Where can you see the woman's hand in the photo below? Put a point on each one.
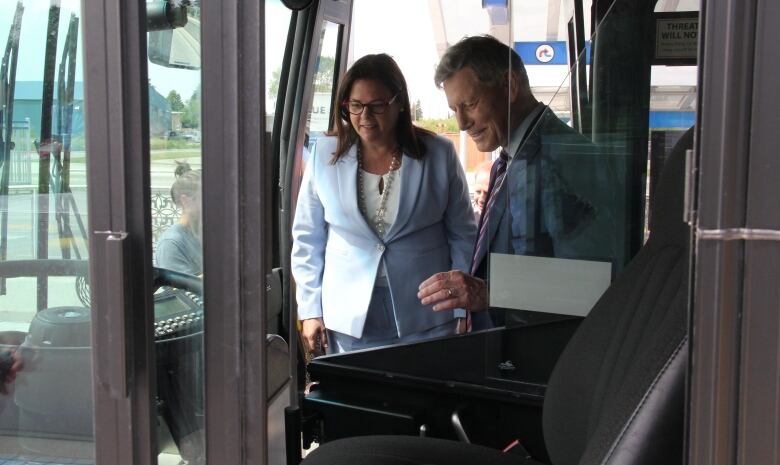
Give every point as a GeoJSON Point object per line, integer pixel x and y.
{"type": "Point", "coordinates": [314, 335]}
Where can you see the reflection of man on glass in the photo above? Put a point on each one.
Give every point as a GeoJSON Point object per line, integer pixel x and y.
{"type": "Point", "coordinates": [548, 192]}
{"type": "Point", "coordinates": [481, 185]}
{"type": "Point", "coordinates": [179, 248]}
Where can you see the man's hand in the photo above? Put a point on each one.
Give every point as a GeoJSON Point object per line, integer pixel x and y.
{"type": "Point", "coordinates": [453, 289]}
{"type": "Point", "coordinates": [314, 333]}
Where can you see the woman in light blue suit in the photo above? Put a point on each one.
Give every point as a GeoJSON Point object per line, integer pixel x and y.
{"type": "Point", "coordinates": [383, 205]}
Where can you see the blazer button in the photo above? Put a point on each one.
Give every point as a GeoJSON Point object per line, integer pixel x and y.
{"type": "Point", "coordinates": [380, 247]}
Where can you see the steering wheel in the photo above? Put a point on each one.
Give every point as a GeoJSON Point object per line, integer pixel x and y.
{"type": "Point", "coordinates": [80, 269]}
{"type": "Point", "coordinates": [183, 281]}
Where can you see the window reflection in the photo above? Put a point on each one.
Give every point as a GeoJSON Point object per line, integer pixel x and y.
{"type": "Point", "coordinates": [276, 28]}
{"type": "Point", "coordinates": [45, 348]}
{"type": "Point", "coordinates": [574, 197]}
{"type": "Point", "coordinates": [318, 120]}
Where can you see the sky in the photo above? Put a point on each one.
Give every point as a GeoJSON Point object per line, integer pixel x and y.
{"type": "Point", "coordinates": [32, 41]}
{"type": "Point", "coordinates": [390, 27]}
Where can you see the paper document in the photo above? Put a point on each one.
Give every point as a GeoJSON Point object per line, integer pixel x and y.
{"type": "Point", "coordinates": [550, 285]}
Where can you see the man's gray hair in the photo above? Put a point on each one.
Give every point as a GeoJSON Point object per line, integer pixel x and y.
{"type": "Point", "coordinates": [488, 57]}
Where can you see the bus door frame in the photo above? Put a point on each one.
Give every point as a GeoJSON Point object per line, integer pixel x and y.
{"type": "Point", "coordinates": [733, 381]}
{"type": "Point", "coordinates": [289, 137]}
{"type": "Point", "coordinates": [236, 212]}
{"type": "Point", "coordinates": [237, 206]}
{"type": "Point", "coordinates": [117, 138]}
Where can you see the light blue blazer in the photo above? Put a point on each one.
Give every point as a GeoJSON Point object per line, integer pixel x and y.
{"type": "Point", "coordinates": [336, 255]}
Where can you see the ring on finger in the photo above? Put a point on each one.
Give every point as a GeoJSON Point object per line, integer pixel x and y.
{"type": "Point", "coordinates": [449, 292]}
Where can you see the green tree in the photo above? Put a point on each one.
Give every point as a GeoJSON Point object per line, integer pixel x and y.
{"type": "Point", "coordinates": [175, 100]}
{"type": "Point", "coordinates": [439, 126]}
{"type": "Point", "coordinates": [323, 78]}
{"type": "Point", "coordinates": [273, 89]}
{"type": "Point", "coordinates": [190, 117]}
{"type": "Point", "coordinates": [417, 113]}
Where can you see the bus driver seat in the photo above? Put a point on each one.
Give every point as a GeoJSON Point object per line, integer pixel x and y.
{"type": "Point", "coordinates": [616, 395]}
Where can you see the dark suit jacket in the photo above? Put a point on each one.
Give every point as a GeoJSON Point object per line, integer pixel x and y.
{"type": "Point", "coordinates": [557, 200]}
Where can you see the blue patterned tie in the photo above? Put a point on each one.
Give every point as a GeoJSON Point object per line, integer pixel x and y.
{"type": "Point", "coordinates": [499, 174]}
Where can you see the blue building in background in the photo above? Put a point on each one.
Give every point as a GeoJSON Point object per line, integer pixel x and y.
{"type": "Point", "coordinates": [27, 107]}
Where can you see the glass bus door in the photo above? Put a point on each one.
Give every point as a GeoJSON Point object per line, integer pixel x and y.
{"type": "Point", "coordinates": [119, 199]}
{"type": "Point", "coordinates": [46, 348]}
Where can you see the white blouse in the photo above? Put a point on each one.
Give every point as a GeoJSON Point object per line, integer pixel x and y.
{"type": "Point", "coordinates": [372, 199]}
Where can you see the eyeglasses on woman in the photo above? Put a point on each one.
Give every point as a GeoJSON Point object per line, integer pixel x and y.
{"type": "Point", "coordinates": [377, 107]}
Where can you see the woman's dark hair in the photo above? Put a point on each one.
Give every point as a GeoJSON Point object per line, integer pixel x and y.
{"type": "Point", "coordinates": [383, 69]}
{"type": "Point", "coordinates": [187, 182]}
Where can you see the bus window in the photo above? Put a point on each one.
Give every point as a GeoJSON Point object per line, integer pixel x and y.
{"type": "Point", "coordinates": [318, 119]}
{"type": "Point", "coordinates": [277, 23]}
{"type": "Point", "coordinates": [177, 227]}
{"type": "Point", "coordinates": [539, 36]}
{"type": "Point", "coordinates": [46, 411]}
{"type": "Point", "coordinates": [556, 245]}
{"type": "Point", "coordinates": [579, 204]}
{"type": "Point", "coordinates": [672, 85]}
{"type": "Point", "coordinates": [565, 212]}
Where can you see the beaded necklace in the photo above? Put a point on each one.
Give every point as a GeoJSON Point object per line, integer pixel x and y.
{"type": "Point", "coordinates": [377, 221]}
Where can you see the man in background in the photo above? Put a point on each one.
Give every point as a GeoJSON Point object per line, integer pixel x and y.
{"type": "Point", "coordinates": [481, 184]}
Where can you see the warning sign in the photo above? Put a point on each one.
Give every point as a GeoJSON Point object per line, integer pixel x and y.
{"type": "Point", "coordinates": [676, 38]}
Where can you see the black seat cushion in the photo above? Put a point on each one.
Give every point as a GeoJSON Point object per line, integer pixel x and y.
{"type": "Point", "coordinates": [405, 450]}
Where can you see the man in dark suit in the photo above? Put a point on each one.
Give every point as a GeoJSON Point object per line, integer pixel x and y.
{"type": "Point", "coordinates": [551, 193]}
